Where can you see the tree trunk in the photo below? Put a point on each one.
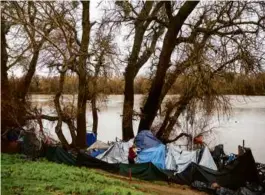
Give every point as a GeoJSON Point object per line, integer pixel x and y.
{"type": "Point", "coordinates": [94, 115]}
{"type": "Point", "coordinates": [5, 90]}
{"type": "Point", "coordinates": [58, 128]}
{"type": "Point", "coordinates": [82, 82]}
{"type": "Point", "coordinates": [135, 62]}
{"type": "Point", "coordinates": [25, 83]}
{"type": "Point", "coordinates": [152, 104]}
{"type": "Point", "coordinates": [127, 125]}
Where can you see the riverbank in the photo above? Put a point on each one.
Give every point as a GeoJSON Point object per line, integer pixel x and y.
{"type": "Point", "coordinates": [20, 176]}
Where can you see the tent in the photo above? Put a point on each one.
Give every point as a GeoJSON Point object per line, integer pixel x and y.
{"type": "Point", "coordinates": [179, 160]}
{"type": "Point", "coordinates": [156, 155]}
{"type": "Point", "coordinates": [207, 160]}
{"type": "Point", "coordinates": [117, 153]}
{"type": "Point", "coordinates": [146, 139]}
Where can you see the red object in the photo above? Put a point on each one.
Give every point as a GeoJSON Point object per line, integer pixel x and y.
{"type": "Point", "coordinates": [198, 139]}
{"type": "Point", "coordinates": [132, 153]}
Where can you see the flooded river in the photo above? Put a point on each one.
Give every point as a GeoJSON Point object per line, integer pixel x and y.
{"type": "Point", "coordinates": [246, 122]}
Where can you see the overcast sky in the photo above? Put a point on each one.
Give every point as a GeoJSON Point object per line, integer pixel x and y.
{"type": "Point", "coordinates": [96, 13]}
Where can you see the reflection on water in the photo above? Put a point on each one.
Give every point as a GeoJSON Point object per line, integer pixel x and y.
{"type": "Point", "coordinates": [247, 121]}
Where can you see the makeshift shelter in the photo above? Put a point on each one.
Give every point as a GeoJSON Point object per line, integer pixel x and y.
{"type": "Point", "coordinates": [233, 176]}
{"type": "Point", "coordinates": [146, 139]}
{"type": "Point", "coordinates": [97, 148]}
{"type": "Point", "coordinates": [179, 160]}
{"type": "Point", "coordinates": [207, 159]}
{"type": "Point", "coordinates": [156, 155]}
{"type": "Point", "coordinates": [117, 153]}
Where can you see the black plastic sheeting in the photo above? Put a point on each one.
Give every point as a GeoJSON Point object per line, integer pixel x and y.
{"type": "Point", "coordinates": [91, 162]}
{"type": "Point", "coordinates": [59, 155]}
{"type": "Point", "coordinates": [233, 176]}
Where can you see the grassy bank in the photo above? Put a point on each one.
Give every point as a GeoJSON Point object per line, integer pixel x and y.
{"type": "Point", "coordinates": [20, 176]}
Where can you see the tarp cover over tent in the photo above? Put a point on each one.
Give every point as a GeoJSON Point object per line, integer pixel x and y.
{"type": "Point", "coordinates": [156, 155]}
{"type": "Point", "coordinates": [207, 160]}
{"type": "Point", "coordinates": [117, 153]}
{"type": "Point", "coordinates": [177, 159]}
{"type": "Point", "coordinates": [146, 139]}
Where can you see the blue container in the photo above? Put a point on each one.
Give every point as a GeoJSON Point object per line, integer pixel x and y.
{"type": "Point", "coordinates": [90, 139]}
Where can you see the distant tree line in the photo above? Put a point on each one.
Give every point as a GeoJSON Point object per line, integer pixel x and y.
{"type": "Point", "coordinates": [229, 83]}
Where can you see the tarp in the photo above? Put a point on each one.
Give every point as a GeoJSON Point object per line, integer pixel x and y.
{"type": "Point", "coordinates": [146, 139]}
{"type": "Point", "coordinates": [233, 176]}
{"type": "Point", "coordinates": [179, 160]}
{"type": "Point", "coordinates": [145, 171]}
{"type": "Point", "coordinates": [96, 152]}
{"type": "Point", "coordinates": [84, 159]}
{"type": "Point", "coordinates": [156, 155]}
{"type": "Point", "coordinates": [59, 155]}
{"type": "Point", "coordinates": [99, 145]}
{"type": "Point", "coordinates": [207, 160]}
{"type": "Point", "coordinates": [117, 153]}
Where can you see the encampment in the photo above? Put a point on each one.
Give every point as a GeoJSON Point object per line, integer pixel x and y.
{"type": "Point", "coordinates": [170, 163]}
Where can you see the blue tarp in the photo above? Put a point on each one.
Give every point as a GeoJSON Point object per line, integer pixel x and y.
{"type": "Point", "coordinates": [90, 139]}
{"type": "Point", "coordinates": [96, 152]}
{"type": "Point", "coordinates": [146, 139]}
{"type": "Point", "coordinates": [156, 155]}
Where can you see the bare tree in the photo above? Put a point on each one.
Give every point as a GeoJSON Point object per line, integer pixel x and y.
{"type": "Point", "coordinates": [145, 36]}
{"type": "Point", "coordinates": [230, 41]}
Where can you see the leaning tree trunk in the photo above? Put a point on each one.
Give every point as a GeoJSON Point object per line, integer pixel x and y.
{"type": "Point", "coordinates": [58, 128]}
{"type": "Point", "coordinates": [135, 63]}
{"type": "Point", "coordinates": [153, 101]}
{"type": "Point", "coordinates": [82, 84]}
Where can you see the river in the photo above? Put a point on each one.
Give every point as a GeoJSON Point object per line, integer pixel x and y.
{"type": "Point", "coordinates": [246, 122]}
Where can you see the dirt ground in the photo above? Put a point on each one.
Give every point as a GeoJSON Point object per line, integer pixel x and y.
{"type": "Point", "coordinates": [161, 188]}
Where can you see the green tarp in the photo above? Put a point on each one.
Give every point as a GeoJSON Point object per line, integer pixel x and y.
{"type": "Point", "coordinates": [59, 155]}
{"type": "Point", "coordinates": [145, 171]}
